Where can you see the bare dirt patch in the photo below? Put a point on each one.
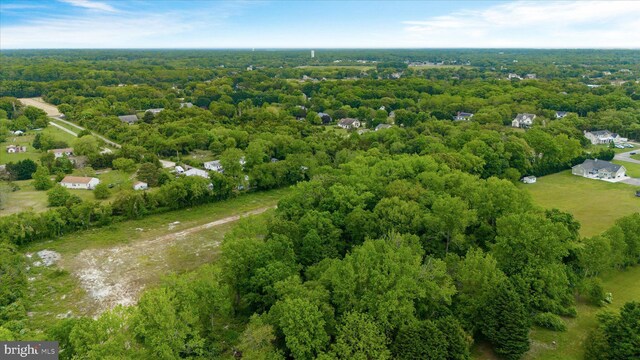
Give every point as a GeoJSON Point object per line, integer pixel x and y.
{"type": "Point", "coordinates": [117, 275]}
{"type": "Point", "coordinates": [51, 110]}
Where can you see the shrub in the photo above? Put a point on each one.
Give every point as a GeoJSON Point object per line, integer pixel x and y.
{"type": "Point", "coordinates": [101, 191]}
{"type": "Point", "coordinates": [549, 321]}
{"type": "Point", "coordinates": [594, 292]}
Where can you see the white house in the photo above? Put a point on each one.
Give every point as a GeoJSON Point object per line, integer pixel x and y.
{"type": "Point", "coordinates": [462, 116]}
{"type": "Point", "coordinates": [523, 121]}
{"type": "Point", "coordinates": [140, 185]}
{"type": "Point", "coordinates": [529, 179]}
{"type": "Point", "coordinates": [599, 137]}
{"type": "Point", "coordinates": [349, 123]}
{"type": "Point", "coordinates": [12, 149]}
{"type": "Point", "coordinates": [155, 111]}
{"type": "Point", "coordinates": [79, 182]}
{"type": "Point", "coordinates": [58, 153]}
{"type": "Point", "coordinates": [197, 172]}
{"type": "Point", "coordinates": [599, 169]}
{"type": "Point", "coordinates": [129, 119]}
{"type": "Point", "coordinates": [213, 166]}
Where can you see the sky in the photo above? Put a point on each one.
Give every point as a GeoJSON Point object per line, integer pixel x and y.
{"type": "Point", "coordinates": [36, 24]}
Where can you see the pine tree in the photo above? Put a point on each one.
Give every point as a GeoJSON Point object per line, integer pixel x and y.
{"type": "Point", "coordinates": [506, 323]}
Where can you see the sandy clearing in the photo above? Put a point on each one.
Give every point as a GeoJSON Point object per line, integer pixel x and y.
{"type": "Point", "coordinates": [51, 110]}
{"type": "Point", "coordinates": [117, 275]}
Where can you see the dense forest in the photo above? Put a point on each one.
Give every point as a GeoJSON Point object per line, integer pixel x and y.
{"type": "Point", "coordinates": [409, 242]}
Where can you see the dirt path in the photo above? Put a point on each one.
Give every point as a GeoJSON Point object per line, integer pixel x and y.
{"type": "Point", "coordinates": [107, 141]}
{"type": "Point", "coordinates": [117, 275]}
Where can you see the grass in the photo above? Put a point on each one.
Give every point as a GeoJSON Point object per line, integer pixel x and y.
{"type": "Point", "coordinates": [624, 286]}
{"type": "Point", "coordinates": [596, 204]}
{"type": "Point", "coordinates": [55, 291]}
{"type": "Point", "coordinates": [157, 225]}
{"type": "Point", "coordinates": [27, 198]}
{"type": "Point", "coordinates": [434, 66]}
{"type": "Point", "coordinates": [596, 148]}
{"type": "Point", "coordinates": [27, 140]}
{"type": "Point", "coordinates": [633, 169]}
{"type": "Point", "coordinates": [345, 66]}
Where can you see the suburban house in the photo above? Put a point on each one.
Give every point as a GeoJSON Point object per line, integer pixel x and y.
{"type": "Point", "coordinates": [197, 172]}
{"type": "Point", "coordinates": [213, 166]}
{"type": "Point", "coordinates": [530, 76]}
{"type": "Point", "coordinates": [462, 116]}
{"type": "Point", "coordinates": [514, 76]}
{"type": "Point", "coordinates": [603, 137]}
{"type": "Point", "coordinates": [382, 126]}
{"type": "Point", "coordinates": [523, 121]}
{"type": "Point", "coordinates": [326, 118]}
{"type": "Point", "coordinates": [140, 185]}
{"type": "Point", "coordinates": [12, 149]}
{"type": "Point", "coordinates": [154, 111]}
{"type": "Point", "coordinates": [599, 169]}
{"type": "Point", "coordinates": [349, 123]}
{"type": "Point", "coordinates": [561, 114]}
{"type": "Point", "coordinates": [529, 179]}
{"type": "Point", "coordinates": [129, 119]}
{"type": "Point", "coordinates": [58, 153]}
{"type": "Point", "coordinates": [187, 105]}
{"type": "Point", "coordinates": [79, 182]}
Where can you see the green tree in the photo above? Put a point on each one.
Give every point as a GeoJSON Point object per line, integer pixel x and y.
{"type": "Point", "coordinates": [124, 164]}
{"type": "Point", "coordinates": [86, 145]}
{"type": "Point", "coordinates": [302, 324]}
{"type": "Point", "coordinates": [420, 340]}
{"type": "Point", "coordinates": [42, 179]}
{"type": "Point", "coordinates": [506, 322]}
{"type": "Point", "coordinates": [101, 191]}
{"type": "Point", "coordinates": [149, 173]}
{"type": "Point", "coordinates": [358, 337]}
{"type": "Point", "coordinates": [22, 169]}
{"type": "Point", "coordinates": [257, 341]}
{"type": "Point", "coordinates": [58, 195]}
{"type": "Point", "coordinates": [452, 216]}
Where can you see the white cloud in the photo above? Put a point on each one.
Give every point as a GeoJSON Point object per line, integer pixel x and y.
{"type": "Point", "coordinates": [91, 5]}
{"type": "Point", "coordinates": [574, 24]}
{"type": "Point", "coordinates": [127, 28]}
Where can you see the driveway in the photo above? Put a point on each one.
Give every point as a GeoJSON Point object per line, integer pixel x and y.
{"type": "Point", "coordinates": [626, 156]}
{"type": "Point", "coordinates": [631, 181]}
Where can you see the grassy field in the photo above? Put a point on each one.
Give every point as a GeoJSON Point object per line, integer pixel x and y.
{"type": "Point", "coordinates": [27, 140]}
{"type": "Point", "coordinates": [434, 66]}
{"type": "Point", "coordinates": [623, 285]}
{"type": "Point", "coordinates": [636, 156]}
{"type": "Point", "coordinates": [633, 169]}
{"type": "Point", "coordinates": [596, 204]}
{"type": "Point", "coordinates": [59, 290]}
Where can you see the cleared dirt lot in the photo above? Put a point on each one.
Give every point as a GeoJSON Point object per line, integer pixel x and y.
{"type": "Point", "coordinates": [41, 104]}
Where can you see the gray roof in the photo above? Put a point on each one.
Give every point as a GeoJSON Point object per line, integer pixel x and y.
{"type": "Point", "coordinates": [595, 165]}
{"type": "Point", "coordinates": [347, 121]}
{"type": "Point", "coordinates": [130, 119]}
{"type": "Point", "coordinates": [382, 126]}
{"type": "Point", "coordinates": [601, 133]}
{"type": "Point", "coordinates": [523, 117]}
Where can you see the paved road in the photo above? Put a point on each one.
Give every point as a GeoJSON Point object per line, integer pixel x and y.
{"type": "Point", "coordinates": [63, 128]}
{"type": "Point", "coordinates": [632, 181]}
{"type": "Point", "coordinates": [626, 156]}
{"type": "Point", "coordinates": [107, 141]}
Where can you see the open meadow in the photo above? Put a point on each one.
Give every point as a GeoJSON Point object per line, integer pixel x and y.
{"type": "Point", "coordinates": [100, 268]}
{"type": "Point", "coordinates": [595, 204]}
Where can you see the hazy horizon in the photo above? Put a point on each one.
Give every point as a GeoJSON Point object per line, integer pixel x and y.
{"type": "Point", "coordinates": [143, 24]}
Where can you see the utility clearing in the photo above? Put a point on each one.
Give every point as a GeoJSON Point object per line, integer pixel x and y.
{"type": "Point", "coordinates": [117, 275]}
{"type": "Point", "coordinates": [89, 272]}
{"type": "Point", "coordinates": [51, 110]}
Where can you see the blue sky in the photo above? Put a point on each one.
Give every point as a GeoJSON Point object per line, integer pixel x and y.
{"type": "Point", "coordinates": [318, 24]}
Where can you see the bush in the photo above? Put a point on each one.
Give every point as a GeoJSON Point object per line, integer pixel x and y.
{"type": "Point", "coordinates": [549, 321]}
{"type": "Point", "coordinates": [101, 191]}
{"type": "Point", "coordinates": [58, 196]}
{"type": "Point", "coordinates": [594, 292]}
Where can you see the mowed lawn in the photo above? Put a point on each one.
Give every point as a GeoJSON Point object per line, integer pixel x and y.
{"type": "Point", "coordinates": [27, 140]}
{"type": "Point", "coordinates": [596, 204]}
{"type": "Point", "coordinates": [633, 169]}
